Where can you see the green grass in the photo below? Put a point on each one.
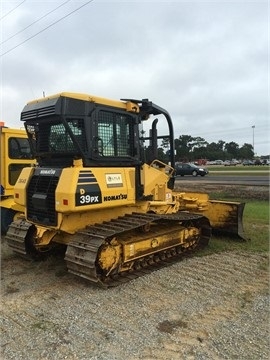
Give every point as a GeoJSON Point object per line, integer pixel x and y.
{"type": "Point", "coordinates": [257, 212]}
{"type": "Point", "coordinates": [237, 173]}
{"type": "Point", "coordinates": [239, 170]}
{"type": "Point", "coordinates": [256, 228]}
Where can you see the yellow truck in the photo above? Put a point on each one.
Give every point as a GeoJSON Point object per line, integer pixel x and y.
{"type": "Point", "coordinates": [15, 155]}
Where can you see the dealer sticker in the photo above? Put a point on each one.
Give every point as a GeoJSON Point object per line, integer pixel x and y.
{"type": "Point", "coordinates": [114, 180]}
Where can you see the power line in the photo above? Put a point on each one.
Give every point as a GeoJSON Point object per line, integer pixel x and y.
{"type": "Point", "coordinates": [42, 17]}
{"type": "Point", "coordinates": [12, 10]}
{"type": "Point", "coordinates": [46, 28]}
{"type": "Point", "coordinates": [229, 131]}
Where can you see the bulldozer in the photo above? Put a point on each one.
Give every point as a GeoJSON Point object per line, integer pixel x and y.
{"type": "Point", "coordinates": [15, 155]}
{"type": "Point", "coordinates": [99, 195]}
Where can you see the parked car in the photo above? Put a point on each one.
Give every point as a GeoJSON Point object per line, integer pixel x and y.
{"type": "Point", "coordinates": [183, 169]}
{"type": "Point", "coordinates": [230, 163]}
{"type": "Point", "coordinates": [218, 162]}
{"type": "Point", "coordinates": [258, 162]}
{"type": "Point", "coordinates": [247, 163]}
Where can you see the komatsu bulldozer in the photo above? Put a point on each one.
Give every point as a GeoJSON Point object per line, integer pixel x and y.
{"type": "Point", "coordinates": [95, 191]}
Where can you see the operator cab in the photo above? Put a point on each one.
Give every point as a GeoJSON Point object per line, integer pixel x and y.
{"type": "Point", "coordinates": [101, 132]}
{"type": "Point", "coordinates": [62, 129]}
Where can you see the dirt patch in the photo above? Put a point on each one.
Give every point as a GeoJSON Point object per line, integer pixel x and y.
{"type": "Point", "coordinates": [168, 326]}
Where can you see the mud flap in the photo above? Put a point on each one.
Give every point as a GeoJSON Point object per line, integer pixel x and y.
{"type": "Point", "coordinates": [226, 218]}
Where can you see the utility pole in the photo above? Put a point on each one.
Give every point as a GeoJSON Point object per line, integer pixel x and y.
{"type": "Point", "coordinates": [253, 127]}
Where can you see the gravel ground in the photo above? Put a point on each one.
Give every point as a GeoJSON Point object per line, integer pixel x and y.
{"type": "Point", "coordinates": [211, 307]}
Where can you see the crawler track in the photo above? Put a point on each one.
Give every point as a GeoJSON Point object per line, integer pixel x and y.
{"type": "Point", "coordinates": [20, 239]}
{"type": "Point", "coordinates": [83, 252]}
{"type": "Point", "coordinates": [17, 235]}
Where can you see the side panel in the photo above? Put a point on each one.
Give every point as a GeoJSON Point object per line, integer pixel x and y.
{"type": "Point", "coordinates": [84, 189]}
{"type": "Point", "coordinates": [155, 183]}
{"type": "Point", "coordinates": [20, 187]}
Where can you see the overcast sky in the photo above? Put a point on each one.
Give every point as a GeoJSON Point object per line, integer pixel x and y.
{"type": "Point", "coordinates": [206, 62]}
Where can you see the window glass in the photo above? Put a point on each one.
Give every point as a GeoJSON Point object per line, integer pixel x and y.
{"type": "Point", "coordinates": [59, 139]}
{"type": "Point", "coordinates": [18, 148]}
{"type": "Point", "coordinates": [114, 133]}
{"type": "Point", "coordinates": [53, 137]}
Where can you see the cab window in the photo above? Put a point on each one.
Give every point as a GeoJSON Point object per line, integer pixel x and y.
{"type": "Point", "coordinates": [18, 148]}
{"type": "Point", "coordinates": [115, 134]}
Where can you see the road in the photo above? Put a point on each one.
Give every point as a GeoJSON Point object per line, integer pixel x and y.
{"type": "Point", "coordinates": [258, 180]}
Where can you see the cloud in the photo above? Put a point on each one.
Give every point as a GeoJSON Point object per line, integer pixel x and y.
{"type": "Point", "coordinates": [205, 62]}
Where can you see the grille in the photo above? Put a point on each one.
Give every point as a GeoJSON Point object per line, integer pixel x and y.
{"type": "Point", "coordinates": [37, 113]}
{"type": "Point", "coordinates": [41, 200]}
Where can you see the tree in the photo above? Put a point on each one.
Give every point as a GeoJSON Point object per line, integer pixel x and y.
{"type": "Point", "coordinates": [246, 152]}
{"type": "Point", "coordinates": [200, 153]}
{"type": "Point", "coordinates": [189, 148]}
{"type": "Point", "coordinates": [232, 149]}
{"type": "Point", "coordinates": [165, 143]}
{"type": "Point", "coordinates": [198, 148]}
{"type": "Point", "coordinates": [164, 157]}
{"type": "Point", "coordinates": [221, 144]}
{"type": "Point", "coordinates": [198, 142]}
{"type": "Point", "coordinates": [183, 147]}
{"type": "Point", "coordinates": [215, 151]}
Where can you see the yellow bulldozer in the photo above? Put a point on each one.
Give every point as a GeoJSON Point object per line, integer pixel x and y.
{"type": "Point", "coordinates": [99, 194]}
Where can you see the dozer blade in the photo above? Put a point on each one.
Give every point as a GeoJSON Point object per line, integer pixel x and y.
{"type": "Point", "coordinates": [226, 218]}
